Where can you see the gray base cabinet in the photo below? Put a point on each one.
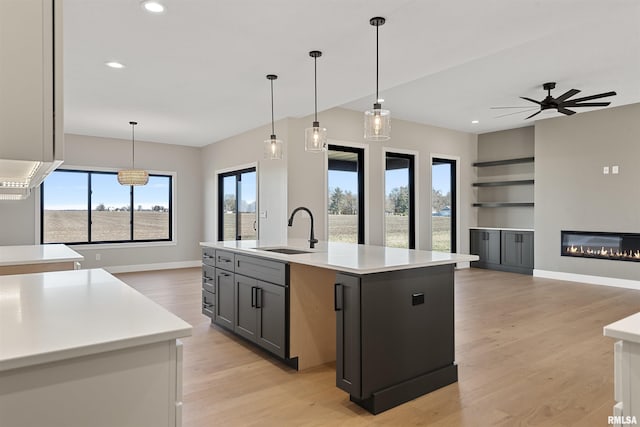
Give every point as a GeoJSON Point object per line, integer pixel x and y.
{"type": "Point", "coordinates": [249, 296]}
{"type": "Point", "coordinates": [505, 250]}
{"type": "Point", "coordinates": [395, 335]}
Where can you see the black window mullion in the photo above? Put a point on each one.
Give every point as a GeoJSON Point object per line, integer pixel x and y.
{"type": "Point", "coordinates": [89, 193]}
{"type": "Point", "coordinates": [238, 196]}
{"type": "Point", "coordinates": [361, 196]}
{"type": "Point", "coordinates": [412, 203]}
{"type": "Point", "coordinates": [131, 211]}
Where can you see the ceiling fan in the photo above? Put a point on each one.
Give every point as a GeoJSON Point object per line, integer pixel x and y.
{"type": "Point", "coordinates": [561, 103]}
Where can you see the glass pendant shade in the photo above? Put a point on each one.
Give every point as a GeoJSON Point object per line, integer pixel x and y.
{"type": "Point", "coordinates": [273, 148]}
{"type": "Point", "coordinates": [315, 138]}
{"type": "Point", "coordinates": [377, 124]}
{"type": "Point", "coordinates": [133, 177]}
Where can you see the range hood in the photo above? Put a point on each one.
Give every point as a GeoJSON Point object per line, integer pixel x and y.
{"type": "Point", "coordinates": [18, 177]}
{"type": "Point", "coordinates": [31, 108]}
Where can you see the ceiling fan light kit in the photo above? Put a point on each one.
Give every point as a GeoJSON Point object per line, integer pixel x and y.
{"type": "Point", "coordinates": [377, 122]}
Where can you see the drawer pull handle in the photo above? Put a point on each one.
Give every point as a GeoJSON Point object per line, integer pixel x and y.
{"type": "Point", "coordinates": [207, 305]}
{"type": "Point", "coordinates": [207, 256]}
{"type": "Point", "coordinates": [207, 278]}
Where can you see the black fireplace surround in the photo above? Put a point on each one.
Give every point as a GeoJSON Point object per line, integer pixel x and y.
{"type": "Point", "coordinates": [601, 245]}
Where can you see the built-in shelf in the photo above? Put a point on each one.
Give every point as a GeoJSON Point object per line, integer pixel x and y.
{"type": "Point", "coordinates": [501, 204]}
{"type": "Point", "coordinates": [504, 183]}
{"type": "Point", "coordinates": [504, 162]}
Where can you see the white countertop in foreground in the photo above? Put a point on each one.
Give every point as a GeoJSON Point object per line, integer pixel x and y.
{"type": "Point", "coordinates": [627, 329]}
{"type": "Point", "coordinates": [45, 317]}
{"type": "Point", "coordinates": [347, 257]}
{"type": "Point", "coordinates": [37, 254]}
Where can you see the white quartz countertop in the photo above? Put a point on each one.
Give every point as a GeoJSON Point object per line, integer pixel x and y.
{"type": "Point", "coordinates": [37, 254]}
{"type": "Point", "coordinates": [346, 257]}
{"type": "Point", "coordinates": [501, 228]}
{"type": "Point", "coordinates": [45, 317]}
{"type": "Point", "coordinates": [627, 329]}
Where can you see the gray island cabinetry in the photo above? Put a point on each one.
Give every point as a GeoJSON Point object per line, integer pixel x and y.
{"type": "Point", "coordinates": [384, 315]}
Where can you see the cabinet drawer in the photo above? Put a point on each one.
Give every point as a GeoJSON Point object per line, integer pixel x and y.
{"type": "Point", "coordinates": [225, 260]}
{"type": "Point", "coordinates": [208, 301]}
{"type": "Point", "coordinates": [208, 277]}
{"type": "Point", "coordinates": [208, 256]}
{"type": "Point", "coordinates": [260, 268]}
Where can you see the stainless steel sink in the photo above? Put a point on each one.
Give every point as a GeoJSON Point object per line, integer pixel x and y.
{"type": "Point", "coordinates": [286, 251]}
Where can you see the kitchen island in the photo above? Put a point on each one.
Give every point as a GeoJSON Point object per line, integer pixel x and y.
{"type": "Point", "coordinates": [81, 348]}
{"type": "Point", "coordinates": [385, 315]}
{"type": "Point", "coordinates": [37, 258]}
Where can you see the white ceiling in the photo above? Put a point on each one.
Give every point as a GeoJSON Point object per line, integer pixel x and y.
{"type": "Point", "coordinates": [196, 73]}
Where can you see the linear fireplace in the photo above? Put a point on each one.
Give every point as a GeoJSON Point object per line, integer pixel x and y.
{"type": "Point", "coordinates": [601, 245]}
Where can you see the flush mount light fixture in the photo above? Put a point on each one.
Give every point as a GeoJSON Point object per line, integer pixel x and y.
{"type": "Point", "coordinates": [377, 122]}
{"type": "Point", "coordinates": [273, 145]}
{"type": "Point", "coordinates": [114, 64]}
{"type": "Point", "coordinates": [315, 137]}
{"type": "Point", "coordinates": [152, 6]}
{"type": "Point", "coordinates": [133, 176]}
{"type": "Point", "coordinates": [475, 122]}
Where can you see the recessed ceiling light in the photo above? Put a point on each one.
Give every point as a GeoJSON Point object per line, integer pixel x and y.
{"type": "Point", "coordinates": [153, 6]}
{"type": "Point", "coordinates": [475, 122]}
{"type": "Point", "coordinates": [114, 64]}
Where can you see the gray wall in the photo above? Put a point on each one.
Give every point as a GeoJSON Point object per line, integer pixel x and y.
{"type": "Point", "coordinates": [305, 180]}
{"type": "Point", "coordinates": [512, 143]}
{"type": "Point", "coordinates": [573, 194]}
{"type": "Point", "coordinates": [20, 221]}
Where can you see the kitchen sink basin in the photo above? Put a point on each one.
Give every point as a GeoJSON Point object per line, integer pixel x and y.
{"type": "Point", "coordinates": [286, 251]}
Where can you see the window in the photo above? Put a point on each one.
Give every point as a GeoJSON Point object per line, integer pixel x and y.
{"type": "Point", "coordinates": [399, 195]}
{"type": "Point", "coordinates": [443, 205]}
{"type": "Point", "coordinates": [80, 207]}
{"type": "Point", "coordinates": [346, 194]}
{"type": "Point", "coordinates": [237, 205]}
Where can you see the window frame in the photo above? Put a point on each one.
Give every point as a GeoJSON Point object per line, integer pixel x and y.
{"type": "Point", "coordinates": [221, 175]}
{"type": "Point", "coordinates": [125, 243]}
{"type": "Point", "coordinates": [360, 151]}
{"type": "Point", "coordinates": [411, 156]}
{"type": "Point", "coordinates": [454, 162]}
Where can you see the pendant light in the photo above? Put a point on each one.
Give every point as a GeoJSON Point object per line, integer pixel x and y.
{"type": "Point", "coordinates": [315, 137]}
{"type": "Point", "coordinates": [273, 145]}
{"type": "Point", "coordinates": [377, 122]}
{"type": "Point", "coordinates": [133, 176]}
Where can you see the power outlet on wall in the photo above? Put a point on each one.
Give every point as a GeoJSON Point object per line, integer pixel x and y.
{"type": "Point", "coordinates": [98, 256]}
{"type": "Point", "coordinates": [615, 169]}
{"type": "Point", "coordinates": [605, 170]}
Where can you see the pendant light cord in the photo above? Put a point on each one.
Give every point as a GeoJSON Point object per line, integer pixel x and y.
{"type": "Point", "coordinates": [272, 127]}
{"type": "Point", "coordinates": [315, 86]}
{"type": "Point", "coordinates": [377, 97]}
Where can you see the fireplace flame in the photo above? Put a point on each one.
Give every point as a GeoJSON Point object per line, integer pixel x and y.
{"type": "Point", "coordinates": [603, 252]}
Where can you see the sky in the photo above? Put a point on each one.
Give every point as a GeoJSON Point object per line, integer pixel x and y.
{"type": "Point", "coordinates": [68, 191]}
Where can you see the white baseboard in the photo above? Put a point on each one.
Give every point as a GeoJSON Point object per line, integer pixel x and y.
{"type": "Point", "coordinates": [149, 267]}
{"type": "Point", "coordinates": [584, 278]}
{"type": "Point", "coordinates": [462, 265]}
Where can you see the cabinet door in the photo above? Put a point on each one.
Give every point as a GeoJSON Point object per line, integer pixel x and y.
{"type": "Point", "coordinates": [511, 248]}
{"type": "Point", "coordinates": [476, 243]}
{"type": "Point", "coordinates": [270, 301]}
{"type": "Point", "coordinates": [26, 78]}
{"type": "Point", "coordinates": [526, 250]}
{"type": "Point", "coordinates": [348, 360]}
{"type": "Point", "coordinates": [225, 299]}
{"type": "Point", "coordinates": [246, 320]}
{"type": "Point", "coordinates": [492, 249]}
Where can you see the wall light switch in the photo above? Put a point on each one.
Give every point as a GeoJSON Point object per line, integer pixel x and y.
{"type": "Point", "coordinates": [98, 257]}
{"type": "Point", "coordinates": [263, 214]}
{"type": "Point", "coordinates": [605, 170]}
{"type": "Point", "coordinates": [615, 169]}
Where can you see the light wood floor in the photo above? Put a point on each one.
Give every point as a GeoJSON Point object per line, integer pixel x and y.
{"type": "Point", "coordinates": [530, 352]}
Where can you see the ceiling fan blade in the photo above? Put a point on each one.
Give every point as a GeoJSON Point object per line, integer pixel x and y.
{"type": "Point", "coordinates": [568, 94]}
{"type": "Point", "coordinates": [501, 108]}
{"type": "Point", "coordinates": [534, 114]}
{"type": "Point", "coordinates": [517, 112]}
{"type": "Point", "coordinates": [532, 100]}
{"type": "Point", "coordinates": [565, 111]}
{"type": "Point", "coordinates": [585, 104]}
{"type": "Point", "coordinates": [598, 96]}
